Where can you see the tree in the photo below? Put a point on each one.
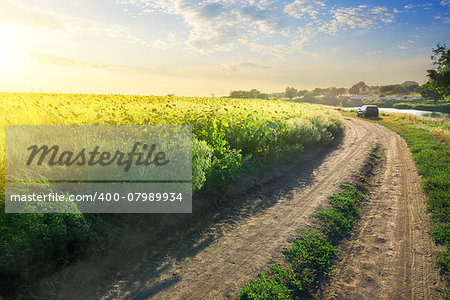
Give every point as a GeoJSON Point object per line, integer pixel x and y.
{"type": "Point", "coordinates": [254, 93]}
{"type": "Point", "coordinates": [290, 92]}
{"type": "Point", "coordinates": [358, 88]}
{"type": "Point", "coordinates": [301, 93]}
{"type": "Point", "coordinates": [439, 78]}
{"type": "Point", "coordinates": [429, 91]}
{"type": "Point", "coordinates": [354, 90]}
{"type": "Point", "coordinates": [340, 91]}
{"type": "Point", "coordinates": [318, 91]}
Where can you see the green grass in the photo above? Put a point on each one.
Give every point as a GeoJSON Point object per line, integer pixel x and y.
{"type": "Point", "coordinates": [429, 142]}
{"type": "Point", "coordinates": [444, 107]}
{"type": "Point", "coordinates": [230, 137]}
{"type": "Point", "coordinates": [309, 259]}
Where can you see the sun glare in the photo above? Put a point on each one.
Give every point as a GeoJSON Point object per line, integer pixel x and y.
{"type": "Point", "coordinates": [6, 50]}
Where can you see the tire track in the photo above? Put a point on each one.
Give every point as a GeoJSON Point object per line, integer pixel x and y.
{"type": "Point", "coordinates": [254, 243]}
{"type": "Point", "coordinates": [390, 253]}
{"type": "Point", "coordinates": [382, 260]}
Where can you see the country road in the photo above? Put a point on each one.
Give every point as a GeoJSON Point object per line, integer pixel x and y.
{"type": "Point", "coordinates": [389, 255]}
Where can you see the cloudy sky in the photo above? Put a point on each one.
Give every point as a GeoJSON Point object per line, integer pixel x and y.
{"type": "Point", "coordinates": [204, 47]}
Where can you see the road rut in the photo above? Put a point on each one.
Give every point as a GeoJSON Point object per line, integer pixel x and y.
{"type": "Point", "coordinates": [390, 253]}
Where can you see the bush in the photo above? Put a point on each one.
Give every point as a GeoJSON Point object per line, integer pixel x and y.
{"type": "Point", "coordinates": [201, 163]}
{"type": "Point", "coordinates": [33, 245]}
{"type": "Point", "coordinates": [335, 224]}
{"type": "Point", "coordinates": [311, 253]}
{"type": "Point", "coordinates": [264, 288]}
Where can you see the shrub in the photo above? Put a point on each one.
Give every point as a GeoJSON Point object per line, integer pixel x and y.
{"type": "Point", "coordinates": [311, 253]}
{"type": "Point", "coordinates": [335, 224]}
{"type": "Point", "coordinates": [201, 163]}
{"type": "Point", "coordinates": [264, 288]}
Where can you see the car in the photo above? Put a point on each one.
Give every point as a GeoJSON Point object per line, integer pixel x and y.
{"type": "Point", "coordinates": [368, 111]}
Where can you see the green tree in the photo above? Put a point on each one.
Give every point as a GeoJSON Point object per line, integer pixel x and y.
{"type": "Point", "coordinates": [429, 91]}
{"type": "Point", "coordinates": [354, 90]}
{"type": "Point", "coordinates": [254, 93]}
{"type": "Point", "coordinates": [318, 91]}
{"type": "Point", "coordinates": [440, 76]}
{"type": "Point", "coordinates": [301, 93]}
{"type": "Point", "coordinates": [290, 92]}
{"type": "Point", "coordinates": [358, 88]}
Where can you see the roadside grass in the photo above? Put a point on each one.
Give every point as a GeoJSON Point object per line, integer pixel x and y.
{"type": "Point", "coordinates": [309, 259]}
{"type": "Point", "coordinates": [443, 107]}
{"type": "Point", "coordinates": [429, 142]}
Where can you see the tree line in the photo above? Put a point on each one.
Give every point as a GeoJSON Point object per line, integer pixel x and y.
{"type": "Point", "coordinates": [437, 87]}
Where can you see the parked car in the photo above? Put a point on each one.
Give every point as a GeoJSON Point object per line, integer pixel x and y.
{"type": "Point", "coordinates": [368, 111]}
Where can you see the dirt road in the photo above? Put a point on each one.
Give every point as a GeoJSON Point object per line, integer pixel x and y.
{"type": "Point", "coordinates": [389, 255]}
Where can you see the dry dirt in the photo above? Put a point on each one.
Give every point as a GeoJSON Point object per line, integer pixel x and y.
{"type": "Point", "coordinates": [389, 255]}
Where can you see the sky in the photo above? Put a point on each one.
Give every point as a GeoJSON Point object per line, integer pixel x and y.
{"type": "Point", "coordinates": [201, 48]}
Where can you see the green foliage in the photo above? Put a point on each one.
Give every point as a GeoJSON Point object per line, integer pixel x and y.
{"type": "Point", "coordinates": [338, 220]}
{"type": "Point", "coordinates": [443, 260]}
{"type": "Point", "coordinates": [358, 88]}
{"type": "Point", "coordinates": [285, 275]}
{"type": "Point", "coordinates": [201, 163]}
{"type": "Point", "coordinates": [334, 223]}
{"type": "Point", "coordinates": [309, 259]}
{"type": "Point", "coordinates": [266, 287]}
{"type": "Point", "coordinates": [432, 159]}
{"type": "Point", "coordinates": [33, 245]}
{"type": "Point", "coordinates": [445, 108]}
{"type": "Point", "coordinates": [290, 92]}
{"type": "Point", "coordinates": [310, 256]}
{"type": "Point", "coordinates": [227, 133]}
{"type": "Point", "coordinates": [398, 89]}
{"type": "Point", "coordinates": [439, 77]}
{"type": "Point", "coordinates": [429, 90]}
{"type": "Point", "coordinates": [311, 251]}
{"type": "Point", "coordinates": [376, 155]}
{"type": "Point", "coordinates": [253, 94]}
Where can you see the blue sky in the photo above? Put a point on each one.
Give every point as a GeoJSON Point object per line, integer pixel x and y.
{"type": "Point", "coordinates": [205, 47]}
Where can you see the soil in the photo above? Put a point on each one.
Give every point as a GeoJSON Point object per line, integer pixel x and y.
{"type": "Point", "coordinates": [390, 252]}
{"type": "Point", "coordinates": [389, 255]}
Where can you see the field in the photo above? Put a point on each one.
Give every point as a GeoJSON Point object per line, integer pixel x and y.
{"type": "Point", "coordinates": [231, 136]}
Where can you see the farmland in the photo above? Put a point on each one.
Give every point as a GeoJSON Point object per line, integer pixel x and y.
{"type": "Point", "coordinates": [230, 136]}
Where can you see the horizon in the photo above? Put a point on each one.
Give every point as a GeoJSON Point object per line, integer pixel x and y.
{"type": "Point", "coordinates": [186, 48]}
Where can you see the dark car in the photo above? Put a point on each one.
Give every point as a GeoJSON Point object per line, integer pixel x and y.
{"type": "Point", "coordinates": [367, 111]}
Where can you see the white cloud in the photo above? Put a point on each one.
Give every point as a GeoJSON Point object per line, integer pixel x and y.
{"type": "Point", "coordinates": [357, 17]}
{"type": "Point", "coordinates": [229, 24]}
{"type": "Point", "coordinates": [236, 66]}
{"type": "Point", "coordinates": [374, 53]}
{"type": "Point", "coordinates": [407, 44]}
{"type": "Point", "coordinates": [304, 8]}
{"type": "Point", "coordinates": [57, 25]}
{"type": "Point", "coordinates": [445, 3]}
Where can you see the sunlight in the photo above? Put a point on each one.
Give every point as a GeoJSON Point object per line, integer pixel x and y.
{"type": "Point", "coordinates": [6, 49]}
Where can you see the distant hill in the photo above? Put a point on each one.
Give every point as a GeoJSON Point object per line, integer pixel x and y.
{"type": "Point", "coordinates": [409, 83]}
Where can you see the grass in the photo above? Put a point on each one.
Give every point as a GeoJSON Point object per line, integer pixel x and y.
{"type": "Point", "coordinates": [429, 142]}
{"type": "Point", "coordinates": [443, 107]}
{"type": "Point", "coordinates": [309, 259]}
{"type": "Point", "coordinates": [229, 135]}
